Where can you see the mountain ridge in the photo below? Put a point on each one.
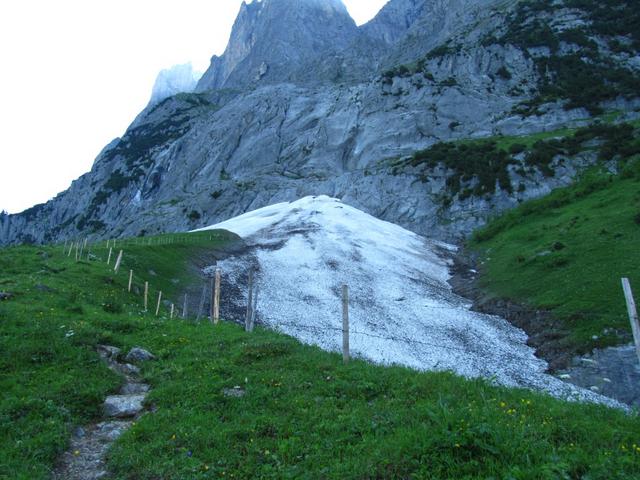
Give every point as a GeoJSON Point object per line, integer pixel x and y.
{"type": "Point", "coordinates": [174, 80]}
{"type": "Point", "coordinates": [341, 125]}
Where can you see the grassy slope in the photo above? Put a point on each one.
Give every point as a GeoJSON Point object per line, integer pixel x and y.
{"type": "Point", "coordinates": [50, 375]}
{"type": "Point", "coordinates": [567, 252]}
{"type": "Point", "coordinates": [305, 415]}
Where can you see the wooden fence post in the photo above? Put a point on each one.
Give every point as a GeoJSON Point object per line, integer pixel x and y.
{"type": "Point", "coordinates": [345, 324]}
{"type": "Point", "coordinates": [118, 260]}
{"type": "Point", "coordinates": [213, 300]}
{"type": "Point", "coordinates": [146, 296]}
{"type": "Point", "coordinates": [158, 305]}
{"type": "Point", "coordinates": [216, 299]}
{"type": "Point", "coordinates": [633, 313]}
{"type": "Point", "coordinates": [184, 307]}
{"type": "Point", "coordinates": [130, 280]}
{"type": "Point", "coordinates": [109, 257]}
{"type": "Point", "coordinates": [171, 315]}
{"type": "Point", "coordinates": [247, 319]}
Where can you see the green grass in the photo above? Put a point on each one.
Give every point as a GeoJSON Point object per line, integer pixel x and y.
{"type": "Point", "coordinates": [50, 375]}
{"type": "Point", "coordinates": [167, 264]}
{"type": "Point", "coordinates": [304, 415]}
{"type": "Point", "coordinates": [566, 253]}
{"type": "Point", "coordinates": [505, 142]}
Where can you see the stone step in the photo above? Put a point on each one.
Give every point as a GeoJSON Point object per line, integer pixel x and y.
{"type": "Point", "coordinates": [123, 406]}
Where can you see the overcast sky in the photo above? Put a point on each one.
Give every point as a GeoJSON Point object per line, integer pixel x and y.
{"type": "Point", "coordinates": [77, 72]}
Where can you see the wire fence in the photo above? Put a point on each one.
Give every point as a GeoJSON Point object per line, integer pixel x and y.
{"type": "Point", "coordinates": [395, 338]}
{"type": "Point", "coordinates": [213, 293]}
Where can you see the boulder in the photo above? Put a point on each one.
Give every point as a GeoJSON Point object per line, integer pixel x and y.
{"type": "Point", "coordinates": [137, 354]}
{"type": "Point", "coordinates": [123, 406]}
{"type": "Point", "coordinates": [108, 352]}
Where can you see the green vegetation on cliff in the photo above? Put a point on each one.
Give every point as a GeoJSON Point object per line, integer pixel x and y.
{"type": "Point", "coordinates": [583, 75]}
{"type": "Point", "coordinates": [478, 167]}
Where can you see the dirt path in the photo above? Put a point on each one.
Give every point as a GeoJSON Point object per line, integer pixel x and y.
{"type": "Point", "coordinates": [85, 459]}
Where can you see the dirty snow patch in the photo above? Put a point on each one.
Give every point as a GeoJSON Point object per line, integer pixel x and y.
{"type": "Point", "coordinates": [402, 310]}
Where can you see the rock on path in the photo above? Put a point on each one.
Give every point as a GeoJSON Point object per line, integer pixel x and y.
{"type": "Point", "coordinates": [85, 459]}
{"type": "Point", "coordinates": [124, 406]}
{"type": "Point", "coordinates": [137, 354]}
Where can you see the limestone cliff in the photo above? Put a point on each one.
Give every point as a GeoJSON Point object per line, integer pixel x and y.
{"type": "Point", "coordinates": [303, 102]}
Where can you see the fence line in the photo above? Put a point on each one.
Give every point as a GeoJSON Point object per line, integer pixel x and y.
{"type": "Point", "coordinates": [253, 295]}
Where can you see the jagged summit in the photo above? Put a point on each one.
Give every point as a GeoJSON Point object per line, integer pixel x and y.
{"type": "Point", "coordinates": [271, 38]}
{"type": "Point", "coordinates": [177, 79]}
{"type": "Point", "coordinates": [394, 20]}
{"type": "Point", "coordinates": [304, 102]}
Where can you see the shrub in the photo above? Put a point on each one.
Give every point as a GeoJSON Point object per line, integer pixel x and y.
{"type": "Point", "coordinates": [449, 82]}
{"type": "Point", "coordinates": [584, 78]}
{"type": "Point", "coordinates": [481, 163]}
{"type": "Point", "coordinates": [517, 148]}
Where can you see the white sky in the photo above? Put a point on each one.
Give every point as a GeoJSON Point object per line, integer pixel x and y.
{"type": "Point", "coordinates": [77, 72]}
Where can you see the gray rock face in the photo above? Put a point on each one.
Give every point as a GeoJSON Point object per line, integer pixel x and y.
{"type": "Point", "coordinates": [393, 21]}
{"type": "Point", "coordinates": [307, 109]}
{"type": "Point", "coordinates": [138, 354]}
{"type": "Point", "coordinates": [174, 80]}
{"type": "Point", "coordinates": [271, 36]}
{"type": "Point", "coordinates": [123, 406]}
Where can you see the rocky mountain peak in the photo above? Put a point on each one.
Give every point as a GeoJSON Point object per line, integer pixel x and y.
{"type": "Point", "coordinates": [170, 81]}
{"type": "Point", "coordinates": [393, 21]}
{"type": "Point", "coordinates": [271, 38]}
{"type": "Point", "coordinates": [316, 105]}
